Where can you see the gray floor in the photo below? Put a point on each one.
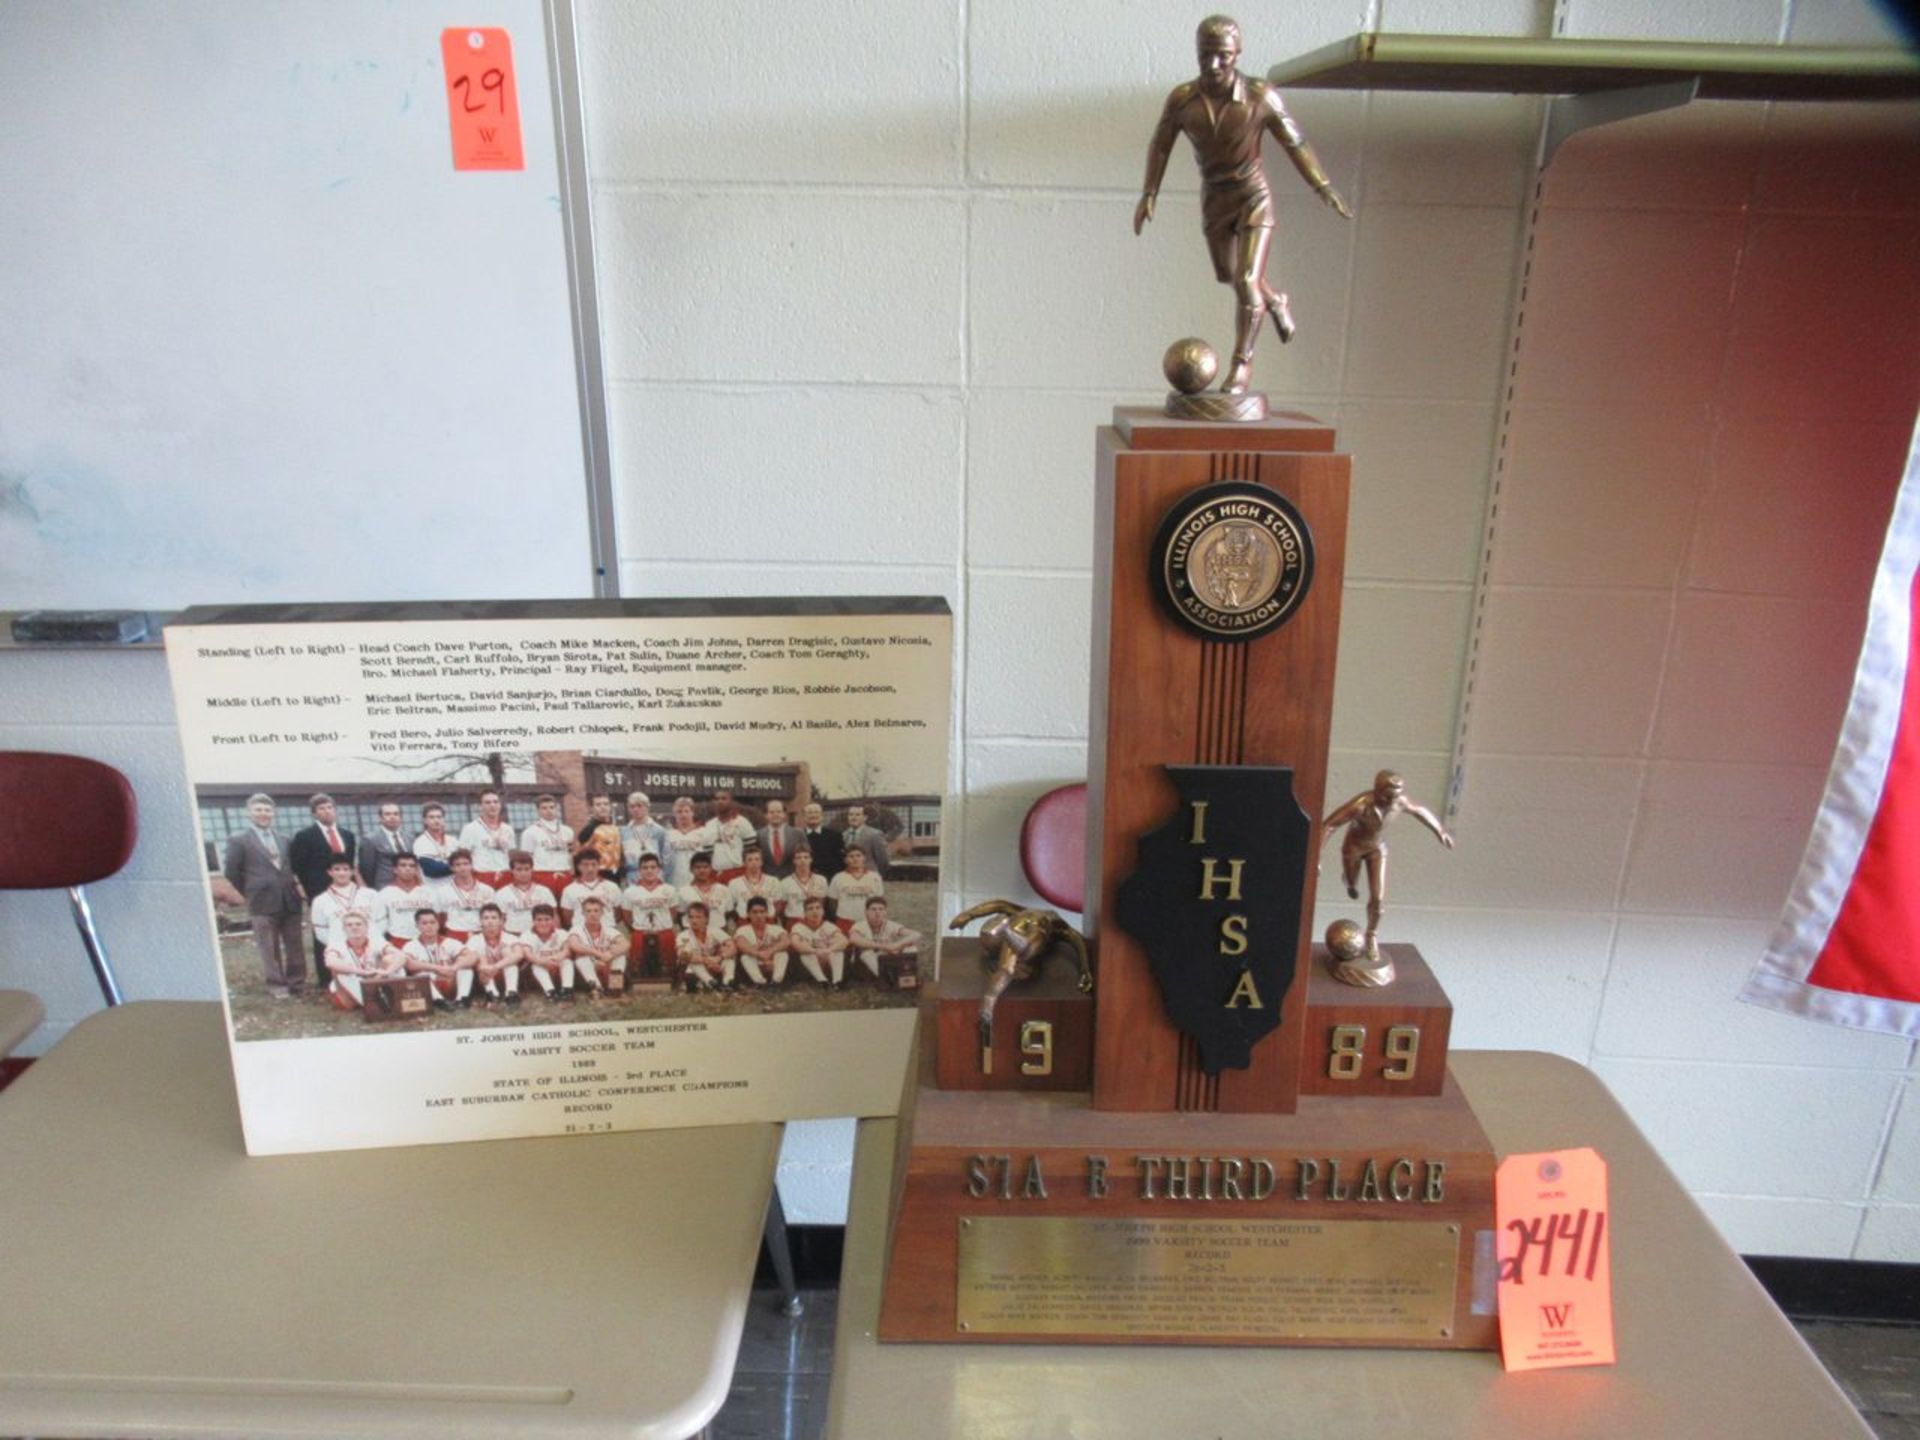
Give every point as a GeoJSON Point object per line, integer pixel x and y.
{"type": "Point", "coordinates": [1877, 1365]}
{"type": "Point", "coordinates": [780, 1385]}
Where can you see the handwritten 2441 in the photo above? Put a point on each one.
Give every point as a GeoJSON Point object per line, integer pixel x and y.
{"type": "Point", "coordinates": [1580, 1231]}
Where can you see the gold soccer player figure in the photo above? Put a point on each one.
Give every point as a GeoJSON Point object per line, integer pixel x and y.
{"type": "Point", "coordinates": [1364, 844]}
{"type": "Point", "coordinates": [1224, 114]}
{"type": "Point", "coordinates": [1014, 941]}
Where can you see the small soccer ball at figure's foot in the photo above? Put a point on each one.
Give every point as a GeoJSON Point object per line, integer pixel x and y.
{"type": "Point", "coordinates": [1190, 365]}
{"type": "Point", "coordinates": [1346, 941]}
{"type": "Point", "coordinates": [1355, 959]}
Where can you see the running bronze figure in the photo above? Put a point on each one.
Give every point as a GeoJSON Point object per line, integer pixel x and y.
{"type": "Point", "coordinates": [1358, 960]}
{"type": "Point", "coordinates": [1224, 114]}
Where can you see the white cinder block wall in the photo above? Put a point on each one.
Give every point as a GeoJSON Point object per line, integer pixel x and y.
{"type": "Point", "coordinates": [869, 285]}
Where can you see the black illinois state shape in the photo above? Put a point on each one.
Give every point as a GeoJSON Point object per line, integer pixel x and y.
{"type": "Point", "coordinates": [1215, 903]}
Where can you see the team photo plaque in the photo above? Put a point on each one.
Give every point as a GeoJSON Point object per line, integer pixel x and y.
{"type": "Point", "coordinates": [487, 870]}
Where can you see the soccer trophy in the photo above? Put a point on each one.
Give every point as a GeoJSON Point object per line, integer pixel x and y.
{"type": "Point", "coordinates": [1209, 1138]}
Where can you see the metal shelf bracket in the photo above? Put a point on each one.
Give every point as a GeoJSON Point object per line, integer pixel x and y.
{"type": "Point", "coordinates": [1568, 115]}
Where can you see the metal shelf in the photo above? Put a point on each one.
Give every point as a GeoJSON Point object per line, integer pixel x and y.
{"type": "Point", "coordinates": [1372, 60]}
{"type": "Point", "coordinates": [1593, 82]}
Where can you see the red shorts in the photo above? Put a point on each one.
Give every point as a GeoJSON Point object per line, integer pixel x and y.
{"type": "Point", "coordinates": [554, 880]}
{"type": "Point", "coordinates": [665, 942]}
{"type": "Point", "coordinates": [494, 879]}
{"type": "Point", "coordinates": [846, 926]}
{"type": "Point", "coordinates": [461, 935]}
{"type": "Point", "coordinates": [730, 874]}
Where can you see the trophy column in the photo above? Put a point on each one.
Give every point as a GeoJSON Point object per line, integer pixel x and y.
{"type": "Point", "coordinates": [1167, 692]}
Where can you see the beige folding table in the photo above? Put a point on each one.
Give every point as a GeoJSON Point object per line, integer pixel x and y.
{"type": "Point", "coordinates": [1703, 1353]}
{"type": "Point", "coordinates": [156, 1280]}
{"type": "Point", "coordinates": [20, 1015]}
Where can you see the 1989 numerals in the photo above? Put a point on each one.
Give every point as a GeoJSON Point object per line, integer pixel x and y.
{"type": "Point", "coordinates": [1347, 1052]}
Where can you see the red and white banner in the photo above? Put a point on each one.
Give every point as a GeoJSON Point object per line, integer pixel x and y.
{"type": "Point", "coordinates": [1847, 948]}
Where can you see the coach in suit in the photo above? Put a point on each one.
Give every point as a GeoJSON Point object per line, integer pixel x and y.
{"type": "Point", "coordinates": [380, 849]}
{"type": "Point", "coordinates": [778, 840]}
{"type": "Point", "coordinates": [828, 851]}
{"type": "Point", "coordinates": [313, 850]}
{"type": "Point", "coordinates": [259, 867]}
{"type": "Point", "coordinates": [865, 837]}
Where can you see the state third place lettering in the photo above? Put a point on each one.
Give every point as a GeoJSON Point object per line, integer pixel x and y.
{"type": "Point", "coordinates": [1213, 1178]}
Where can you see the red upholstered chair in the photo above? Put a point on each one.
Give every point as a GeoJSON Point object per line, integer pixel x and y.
{"type": "Point", "coordinates": [66, 821]}
{"type": "Point", "coordinates": [1053, 847]}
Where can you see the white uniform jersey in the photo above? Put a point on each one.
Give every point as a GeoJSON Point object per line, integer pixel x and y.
{"type": "Point", "coordinates": [794, 893]}
{"type": "Point", "coordinates": [651, 909]}
{"type": "Point", "coordinates": [332, 906]}
{"type": "Point", "coordinates": [404, 906]}
{"type": "Point", "coordinates": [640, 840]}
{"type": "Point", "coordinates": [716, 897]}
{"type": "Point", "coordinates": [573, 899]}
{"type": "Point", "coordinates": [746, 939]}
{"type": "Point", "coordinates": [462, 907]}
{"type": "Point", "coordinates": [682, 845]}
{"type": "Point", "coordinates": [609, 938]}
{"type": "Point", "coordinates": [692, 948]}
{"type": "Point", "coordinates": [376, 954]}
{"type": "Point", "coordinates": [443, 952]}
{"type": "Point", "coordinates": [489, 846]}
{"type": "Point", "coordinates": [850, 893]}
{"type": "Point", "coordinates": [548, 952]}
{"type": "Point", "coordinates": [891, 933]}
{"type": "Point", "coordinates": [428, 848]}
{"type": "Point", "coordinates": [519, 904]}
{"type": "Point", "coordinates": [742, 889]}
{"type": "Point", "coordinates": [493, 954]}
{"type": "Point", "coordinates": [730, 838]}
{"type": "Point", "coordinates": [827, 937]}
{"type": "Point", "coordinates": [551, 845]}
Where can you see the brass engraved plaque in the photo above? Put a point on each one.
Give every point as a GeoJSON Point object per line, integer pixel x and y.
{"type": "Point", "coordinates": [1221, 1279]}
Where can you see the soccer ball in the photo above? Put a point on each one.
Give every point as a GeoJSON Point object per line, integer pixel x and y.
{"type": "Point", "coordinates": [1190, 365]}
{"type": "Point", "coordinates": [1346, 941]}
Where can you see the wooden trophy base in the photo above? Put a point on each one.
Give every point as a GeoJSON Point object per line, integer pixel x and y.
{"type": "Point", "coordinates": [1042, 1028]}
{"type": "Point", "coordinates": [1387, 1041]}
{"type": "Point", "coordinates": [1029, 1216]}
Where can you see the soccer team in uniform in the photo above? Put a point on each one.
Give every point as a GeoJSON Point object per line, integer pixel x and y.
{"type": "Point", "coordinates": [719, 905]}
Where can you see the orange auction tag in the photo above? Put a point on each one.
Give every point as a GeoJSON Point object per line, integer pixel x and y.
{"type": "Point", "coordinates": [1556, 1280]}
{"type": "Point", "coordinates": [481, 100]}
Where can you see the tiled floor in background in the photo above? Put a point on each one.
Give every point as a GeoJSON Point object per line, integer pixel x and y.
{"type": "Point", "coordinates": [780, 1383]}
{"type": "Point", "coordinates": [780, 1386]}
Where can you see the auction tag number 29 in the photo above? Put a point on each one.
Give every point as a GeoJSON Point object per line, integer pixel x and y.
{"type": "Point", "coordinates": [483, 106]}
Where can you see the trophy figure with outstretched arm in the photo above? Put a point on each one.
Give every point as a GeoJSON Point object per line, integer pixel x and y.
{"type": "Point", "coordinates": [1225, 114]}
